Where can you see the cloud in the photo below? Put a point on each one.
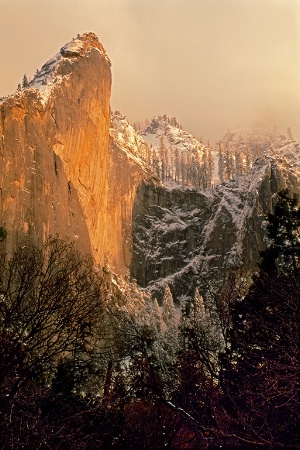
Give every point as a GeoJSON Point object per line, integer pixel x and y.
{"type": "Point", "coordinates": [211, 63]}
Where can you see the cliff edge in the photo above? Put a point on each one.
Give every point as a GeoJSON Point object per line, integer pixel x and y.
{"type": "Point", "coordinates": [54, 137]}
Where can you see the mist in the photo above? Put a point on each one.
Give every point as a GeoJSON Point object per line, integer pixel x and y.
{"type": "Point", "coordinates": [213, 64]}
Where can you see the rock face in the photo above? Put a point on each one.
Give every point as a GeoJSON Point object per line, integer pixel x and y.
{"type": "Point", "coordinates": [64, 171]}
{"type": "Point", "coordinates": [125, 178]}
{"type": "Point", "coordinates": [54, 149]}
{"type": "Point", "coordinates": [190, 239]}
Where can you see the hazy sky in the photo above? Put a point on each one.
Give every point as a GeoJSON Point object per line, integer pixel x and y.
{"type": "Point", "coordinates": [214, 64]}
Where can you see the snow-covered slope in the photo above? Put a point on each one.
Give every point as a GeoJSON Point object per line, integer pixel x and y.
{"type": "Point", "coordinates": [185, 233]}
{"type": "Point", "coordinates": [176, 157]}
{"type": "Point", "coordinates": [239, 149]}
{"type": "Point", "coordinates": [186, 238]}
{"type": "Point", "coordinates": [130, 141]}
{"type": "Point", "coordinates": [180, 158]}
{"type": "Point", "coordinates": [173, 134]}
{"type": "Point", "coordinates": [55, 69]}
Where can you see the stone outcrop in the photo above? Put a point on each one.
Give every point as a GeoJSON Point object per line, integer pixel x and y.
{"type": "Point", "coordinates": [54, 139]}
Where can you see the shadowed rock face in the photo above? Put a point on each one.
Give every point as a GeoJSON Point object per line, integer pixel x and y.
{"type": "Point", "coordinates": [125, 178]}
{"type": "Point", "coordinates": [187, 239]}
{"type": "Point", "coordinates": [54, 150]}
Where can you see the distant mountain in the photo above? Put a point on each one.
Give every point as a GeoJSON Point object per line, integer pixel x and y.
{"type": "Point", "coordinates": [175, 156]}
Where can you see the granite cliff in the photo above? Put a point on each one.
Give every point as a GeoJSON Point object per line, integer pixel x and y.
{"type": "Point", "coordinates": [54, 149]}
{"type": "Point", "coordinates": [72, 168]}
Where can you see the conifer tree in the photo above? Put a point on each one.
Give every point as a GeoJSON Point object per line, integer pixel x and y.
{"type": "Point", "coordinates": [211, 167]}
{"type": "Point", "coordinates": [126, 134]}
{"type": "Point", "coordinates": [259, 369]}
{"type": "Point", "coordinates": [183, 169]}
{"type": "Point", "coordinates": [156, 316]}
{"type": "Point", "coordinates": [238, 163]}
{"type": "Point", "coordinates": [199, 308]}
{"type": "Point", "coordinates": [177, 165]}
{"type": "Point", "coordinates": [25, 82]}
{"type": "Point", "coordinates": [283, 251]}
{"type": "Point", "coordinates": [168, 308]}
{"type": "Point", "coordinates": [162, 154]}
{"type": "Point", "coordinates": [220, 163]}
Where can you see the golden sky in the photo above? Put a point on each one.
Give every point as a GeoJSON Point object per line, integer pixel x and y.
{"type": "Point", "coordinates": [214, 64]}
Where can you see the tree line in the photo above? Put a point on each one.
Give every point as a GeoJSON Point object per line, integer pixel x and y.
{"type": "Point", "coordinates": [197, 166]}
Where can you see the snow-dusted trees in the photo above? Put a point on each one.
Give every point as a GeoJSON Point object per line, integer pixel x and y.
{"type": "Point", "coordinates": [168, 308]}
{"type": "Point", "coordinates": [220, 163]}
{"type": "Point", "coordinates": [163, 158]}
{"type": "Point", "coordinates": [199, 313]}
{"type": "Point", "coordinates": [156, 166]}
{"type": "Point", "coordinates": [201, 334]}
{"type": "Point", "coordinates": [235, 160]}
{"type": "Point", "coordinates": [176, 165]}
{"type": "Point", "coordinates": [210, 167]}
{"type": "Point", "coordinates": [126, 135]}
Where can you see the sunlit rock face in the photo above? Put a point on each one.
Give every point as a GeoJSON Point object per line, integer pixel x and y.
{"type": "Point", "coordinates": [66, 169]}
{"type": "Point", "coordinates": [54, 149]}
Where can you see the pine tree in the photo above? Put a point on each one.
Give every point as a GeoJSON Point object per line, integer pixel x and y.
{"type": "Point", "coordinates": [171, 173]}
{"type": "Point", "coordinates": [259, 370]}
{"type": "Point", "coordinates": [238, 164]}
{"type": "Point", "coordinates": [205, 168]}
{"type": "Point", "coordinates": [156, 317]}
{"type": "Point", "coordinates": [183, 170]}
{"type": "Point", "coordinates": [221, 163]}
{"type": "Point", "coordinates": [177, 165]}
{"type": "Point", "coordinates": [188, 167]}
{"type": "Point", "coordinates": [283, 251]}
{"type": "Point", "coordinates": [162, 153]}
{"type": "Point", "coordinates": [168, 308]}
{"type": "Point", "coordinates": [25, 82]}
{"type": "Point", "coordinates": [126, 135]}
{"type": "Point", "coordinates": [211, 167]}
{"type": "Point", "coordinates": [199, 308]}
{"type": "Point", "coordinates": [155, 161]}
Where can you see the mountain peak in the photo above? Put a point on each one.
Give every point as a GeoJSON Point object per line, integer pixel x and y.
{"type": "Point", "coordinates": [162, 122]}
{"type": "Point", "coordinates": [62, 65]}
{"type": "Point", "coordinates": [81, 45]}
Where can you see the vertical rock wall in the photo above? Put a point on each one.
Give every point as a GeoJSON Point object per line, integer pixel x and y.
{"type": "Point", "coordinates": [54, 153]}
{"type": "Point", "coordinates": [125, 181]}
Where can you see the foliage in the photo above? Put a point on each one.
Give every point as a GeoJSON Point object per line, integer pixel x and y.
{"type": "Point", "coordinates": [223, 375]}
{"type": "Point", "coordinates": [283, 251]}
{"type": "Point", "coordinates": [3, 234]}
{"type": "Point", "coordinates": [25, 81]}
{"type": "Point", "coordinates": [260, 368]}
{"type": "Point", "coordinates": [259, 371]}
{"type": "Point", "coordinates": [49, 306]}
